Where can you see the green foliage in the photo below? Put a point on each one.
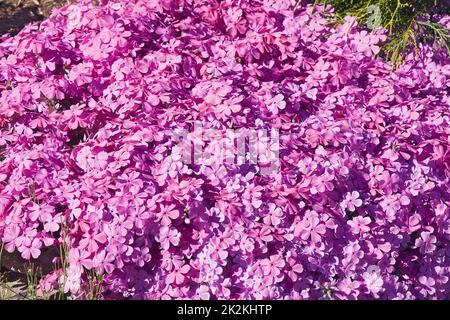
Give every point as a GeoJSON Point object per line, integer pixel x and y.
{"type": "Point", "coordinates": [33, 274]}
{"type": "Point", "coordinates": [408, 22]}
{"type": "Point", "coordinates": [1, 255]}
{"type": "Point", "coordinates": [95, 281]}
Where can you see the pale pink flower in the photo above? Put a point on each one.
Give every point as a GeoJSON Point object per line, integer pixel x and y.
{"type": "Point", "coordinates": [351, 201]}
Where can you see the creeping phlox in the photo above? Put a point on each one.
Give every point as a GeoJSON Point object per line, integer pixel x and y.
{"type": "Point", "coordinates": [91, 101]}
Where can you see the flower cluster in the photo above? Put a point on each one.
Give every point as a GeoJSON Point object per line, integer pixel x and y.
{"type": "Point", "coordinates": [90, 102]}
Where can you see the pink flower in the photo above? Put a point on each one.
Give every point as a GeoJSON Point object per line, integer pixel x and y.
{"type": "Point", "coordinates": [228, 107]}
{"type": "Point", "coordinates": [359, 225]}
{"type": "Point", "coordinates": [275, 215]}
{"type": "Point", "coordinates": [30, 248]}
{"type": "Point", "coordinates": [80, 258]}
{"type": "Point", "coordinates": [428, 284]}
{"type": "Point", "coordinates": [252, 194]}
{"type": "Point", "coordinates": [310, 228]}
{"type": "Point", "coordinates": [72, 281]}
{"type": "Point", "coordinates": [295, 268]}
{"type": "Point", "coordinates": [426, 242]}
{"type": "Point", "coordinates": [74, 16]}
{"type": "Point", "coordinates": [104, 261]}
{"type": "Point", "coordinates": [91, 241]}
{"type": "Point", "coordinates": [168, 237]}
{"type": "Point", "coordinates": [321, 69]}
{"type": "Point", "coordinates": [235, 23]}
{"type": "Point", "coordinates": [203, 292]}
{"type": "Point", "coordinates": [276, 103]}
{"type": "Point", "coordinates": [167, 214]}
{"type": "Point", "coordinates": [216, 93]}
{"type": "Point", "coordinates": [177, 275]}
{"type": "Point", "coordinates": [373, 282]}
{"type": "Point", "coordinates": [351, 201]}
{"type": "Point", "coordinates": [272, 267]}
{"type": "Point", "coordinates": [413, 223]}
{"type": "Point", "coordinates": [348, 286]}
{"type": "Point", "coordinates": [366, 43]}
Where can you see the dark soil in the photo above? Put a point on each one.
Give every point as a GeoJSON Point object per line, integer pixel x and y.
{"type": "Point", "coordinates": [16, 14]}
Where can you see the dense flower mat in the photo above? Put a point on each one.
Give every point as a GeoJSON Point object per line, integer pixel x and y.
{"type": "Point", "coordinates": [90, 101]}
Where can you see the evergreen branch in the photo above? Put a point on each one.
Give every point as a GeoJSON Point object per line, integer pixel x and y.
{"type": "Point", "coordinates": [402, 19]}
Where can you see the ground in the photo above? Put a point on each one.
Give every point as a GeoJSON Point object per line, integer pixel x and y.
{"type": "Point", "coordinates": [15, 14]}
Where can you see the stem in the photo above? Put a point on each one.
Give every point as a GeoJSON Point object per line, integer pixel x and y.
{"type": "Point", "coordinates": [1, 255]}
{"type": "Point", "coordinates": [391, 21]}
